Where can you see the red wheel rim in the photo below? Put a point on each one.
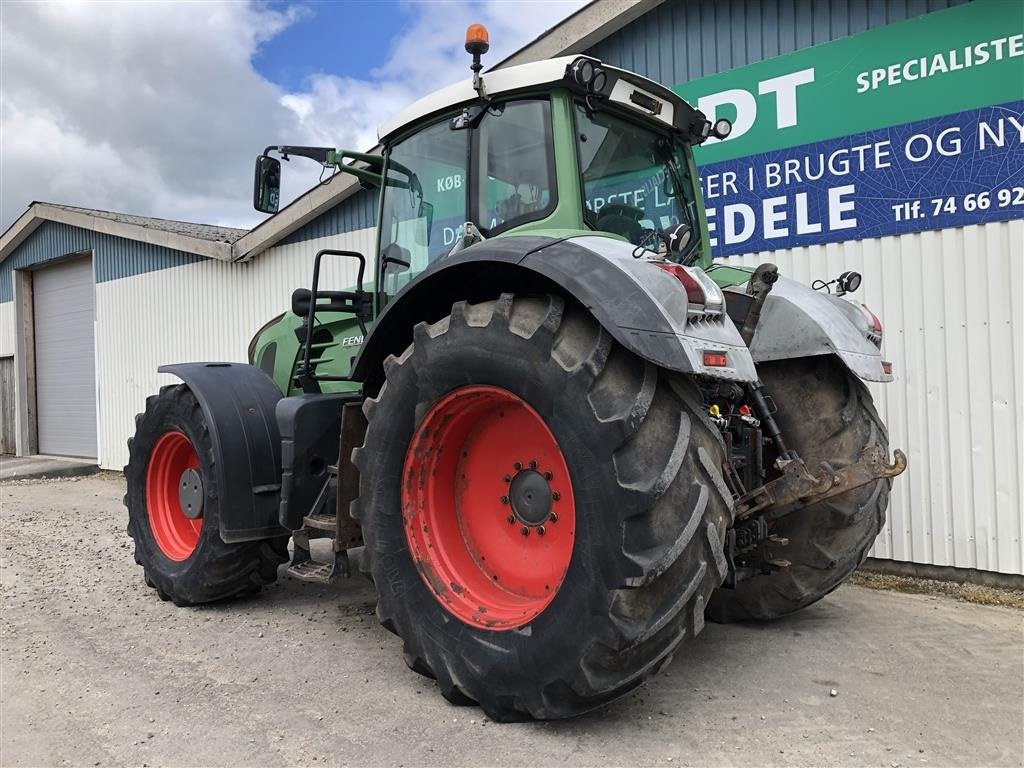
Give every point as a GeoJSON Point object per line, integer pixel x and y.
{"type": "Point", "coordinates": [175, 534]}
{"type": "Point", "coordinates": [485, 538]}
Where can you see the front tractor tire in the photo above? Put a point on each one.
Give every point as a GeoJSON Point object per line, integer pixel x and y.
{"type": "Point", "coordinates": [543, 511]}
{"type": "Point", "coordinates": [173, 509]}
{"type": "Point", "coordinates": [826, 414]}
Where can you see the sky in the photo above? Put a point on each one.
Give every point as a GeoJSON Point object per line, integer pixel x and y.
{"type": "Point", "coordinates": [160, 108]}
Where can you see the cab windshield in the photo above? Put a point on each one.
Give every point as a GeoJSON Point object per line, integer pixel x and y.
{"type": "Point", "coordinates": [636, 181]}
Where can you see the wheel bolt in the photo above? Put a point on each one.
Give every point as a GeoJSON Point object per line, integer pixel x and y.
{"type": "Point", "coordinates": [511, 519]}
{"type": "Point", "coordinates": [533, 463]}
{"type": "Point", "coordinates": [504, 499]}
{"type": "Point", "coordinates": [541, 531]}
{"type": "Point", "coordinates": [553, 517]}
{"type": "Point", "coordinates": [507, 478]}
{"type": "Point", "coordinates": [518, 465]}
{"type": "Point", "coordinates": [548, 475]}
{"type": "Point", "coordinates": [556, 495]}
{"type": "Point", "coordinates": [525, 531]}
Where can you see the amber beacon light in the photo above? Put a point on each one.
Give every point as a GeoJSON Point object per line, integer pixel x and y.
{"type": "Point", "coordinates": [477, 39]}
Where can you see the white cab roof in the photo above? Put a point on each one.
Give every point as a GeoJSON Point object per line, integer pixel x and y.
{"type": "Point", "coordinates": [497, 81]}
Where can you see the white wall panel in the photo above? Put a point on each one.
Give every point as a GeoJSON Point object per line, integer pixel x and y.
{"type": "Point", "coordinates": [6, 328]}
{"type": "Point", "coordinates": [198, 312]}
{"type": "Point", "coordinates": [951, 305]}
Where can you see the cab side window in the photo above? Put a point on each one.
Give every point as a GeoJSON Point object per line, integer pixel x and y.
{"type": "Point", "coordinates": [516, 165]}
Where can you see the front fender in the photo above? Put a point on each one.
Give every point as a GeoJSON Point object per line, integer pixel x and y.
{"type": "Point", "coordinates": [238, 403]}
{"type": "Point", "coordinates": [797, 321]}
{"type": "Point", "coordinates": [642, 307]}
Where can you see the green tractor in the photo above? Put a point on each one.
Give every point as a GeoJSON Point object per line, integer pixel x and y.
{"type": "Point", "coordinates": [548, 427]}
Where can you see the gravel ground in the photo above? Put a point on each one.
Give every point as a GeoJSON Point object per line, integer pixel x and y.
{"type": "Point", "coordinates": [97, 671]}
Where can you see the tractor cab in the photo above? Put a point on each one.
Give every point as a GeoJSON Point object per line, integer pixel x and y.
{"type": "Point", "coordinates": [547, 161]}
{"type": "Point", "coordinates": [564, 147]}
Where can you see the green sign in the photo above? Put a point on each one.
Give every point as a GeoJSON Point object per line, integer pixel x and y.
{"type": "Point", "coordinates": [942, 63]}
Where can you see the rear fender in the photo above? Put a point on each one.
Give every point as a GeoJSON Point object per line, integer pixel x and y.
{"type": "Point", "coordinates": [642, 307]}
{"type": "Point", "coordinates": [797, 321]}
{"type": "Point", "coordinates": [238, 402]}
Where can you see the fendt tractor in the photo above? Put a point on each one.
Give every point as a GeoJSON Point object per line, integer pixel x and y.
{"type": "Point", "coordinates": [553, 432]}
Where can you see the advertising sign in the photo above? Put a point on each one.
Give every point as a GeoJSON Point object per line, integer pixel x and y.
{"type": "Point", "coordinates": [917, 125]}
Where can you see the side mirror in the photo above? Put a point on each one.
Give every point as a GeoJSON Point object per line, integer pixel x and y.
{"type": "Point", "coordinates": [266, 188]}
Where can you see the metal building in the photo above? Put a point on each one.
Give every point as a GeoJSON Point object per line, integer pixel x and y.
{"type": "Point", "coordinates": [788, 73]}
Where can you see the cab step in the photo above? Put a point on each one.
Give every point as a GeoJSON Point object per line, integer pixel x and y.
{"type": "Point", "coordinates": [320, 572]}
{"type": "Point", "coordinates": [321, 521]}
{"type": "Point", "coordinates": [303, 566]}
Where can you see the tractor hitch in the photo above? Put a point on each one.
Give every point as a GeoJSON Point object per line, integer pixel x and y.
{"type": "Point", "coordinates": [751, 548]}
{"type": "Point", "coordinates": [798, 487]}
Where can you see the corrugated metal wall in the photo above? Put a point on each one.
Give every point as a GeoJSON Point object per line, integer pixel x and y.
{"type": "Point", "coordinates": [352, 213]}
{"type": "Point", "coordinates": [203, 311]}
{"type": "Point", "coordinates": [951, 305]}
{"type": "Point", "coordinates": [683, 40]}
{"type": "Point", "coordinates": [115, 257]}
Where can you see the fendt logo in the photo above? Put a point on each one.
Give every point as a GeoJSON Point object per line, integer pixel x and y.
{"type": "Point", "coordinates": [352, 341]}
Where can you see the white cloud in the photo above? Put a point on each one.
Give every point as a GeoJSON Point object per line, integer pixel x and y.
{"type": "Point", "coordinates": [427, 55]}
{"type": "Point", "coordinates": [155, 108]}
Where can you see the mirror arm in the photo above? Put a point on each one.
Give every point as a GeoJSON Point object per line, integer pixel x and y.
{"type": "Point", "coordinates": [332, 157]}
{"type": "Point", "coordinates": [320, 154]}
{"type": "Point", "coordinates": [370, 175]}
{"type": "Point", "coordinates": [376, 162]}
{"type": "Point", "coordinates": [371, 178]}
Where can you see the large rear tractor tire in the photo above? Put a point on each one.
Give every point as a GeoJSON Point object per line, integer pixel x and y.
{"type": "Point", "coordinates": [826, 414]}
{"type": "Point", "coordinates": [543, 511]}
{"type": "Point", "coordinates": [173, 509]}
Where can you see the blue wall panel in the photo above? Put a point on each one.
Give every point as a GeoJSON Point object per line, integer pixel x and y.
{"type": "Point", "coordinates": [356, 212]}
{"type": "Point", "coordinates": [113, 257]}
{"type": "Point", "coordinates": [683, 40]}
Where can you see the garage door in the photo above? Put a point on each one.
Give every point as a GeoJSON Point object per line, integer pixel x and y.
{"type": "Point", "coordinates": [62, 296]}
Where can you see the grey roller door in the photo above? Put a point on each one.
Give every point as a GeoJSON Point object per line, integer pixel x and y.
{"type": "Point", "coordinates": [62, 297]}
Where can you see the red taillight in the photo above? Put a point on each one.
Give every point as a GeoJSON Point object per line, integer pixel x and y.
{"type": "Point", "coordinates": [876, 324]}
{"type": "Point", "coordinates": [887, 367]}
{"type": "Point", "coordinates": [694, 291]}
{"type": "Point", "coordinates": [715, 360]}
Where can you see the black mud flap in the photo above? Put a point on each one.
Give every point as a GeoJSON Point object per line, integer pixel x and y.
{"type": "Point", "coordinates": [238, 402]}
{"type": "Point", "coordinates": [310, 427]}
